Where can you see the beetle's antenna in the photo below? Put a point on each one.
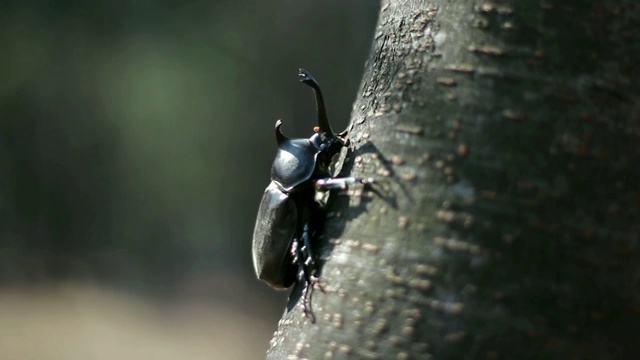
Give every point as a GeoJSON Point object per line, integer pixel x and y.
{"type": "Point", "coordinates": [323, 121]}
{"type": "Point", "coordinates": [280, 137]}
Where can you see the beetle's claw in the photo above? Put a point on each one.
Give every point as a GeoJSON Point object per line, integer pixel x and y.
{"type": "Point", "coordinates": [307, 295]}
{"type": "Point", "coordinates": [315, 283]}
{"type": "Point", "coordinates": [369, 181]}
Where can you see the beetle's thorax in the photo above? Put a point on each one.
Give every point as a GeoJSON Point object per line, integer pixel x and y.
{"type": "Point", "coordinates": [294, 164]}
{"type": "Point", "coordinates": [297, 160]}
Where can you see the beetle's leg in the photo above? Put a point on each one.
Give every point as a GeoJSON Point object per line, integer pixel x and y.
{"type": "Point", "coordinates": [306, 262]}
{"type": "Point", "coordinates": [341, 183]}
{"type": "Point", "coordinates": [309, 261]}
{"type": "Point", "coordinates": [303, 255]}
{"type": "Point", "coordinates": [304, 275]}
{"type": "Point", "coordinates": [295, 252]}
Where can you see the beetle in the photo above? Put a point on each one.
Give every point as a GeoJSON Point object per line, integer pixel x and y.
{"type": "Point", "coordinates": [289, 216]}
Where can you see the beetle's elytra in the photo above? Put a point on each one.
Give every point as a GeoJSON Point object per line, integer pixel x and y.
{"type": "Point", "coordinates": [288, 215]}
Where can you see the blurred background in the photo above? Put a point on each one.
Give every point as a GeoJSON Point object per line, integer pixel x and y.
{"type": "Point", "coordinates": [136, 139]}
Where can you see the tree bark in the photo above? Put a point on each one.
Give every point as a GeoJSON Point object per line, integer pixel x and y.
{"type": "Point", "coordinates": [507, 224]}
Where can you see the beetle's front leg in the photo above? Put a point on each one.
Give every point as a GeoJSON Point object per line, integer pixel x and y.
{"type": "Point", "coordinates": [341, 183]}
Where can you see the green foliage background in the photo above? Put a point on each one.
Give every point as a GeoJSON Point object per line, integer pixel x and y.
{"type": "Point", "coordinates": [136, 136]}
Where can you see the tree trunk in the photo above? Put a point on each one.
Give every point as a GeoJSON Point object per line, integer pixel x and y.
{"type": "Point", "coordinates": [507, 225]}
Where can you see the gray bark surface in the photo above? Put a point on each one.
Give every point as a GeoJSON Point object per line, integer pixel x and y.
{"type": "Point", "coordinates": [507, 227]}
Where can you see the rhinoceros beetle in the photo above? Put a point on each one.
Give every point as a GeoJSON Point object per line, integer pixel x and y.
{"type": "Point", "coordinates": [289, 216]}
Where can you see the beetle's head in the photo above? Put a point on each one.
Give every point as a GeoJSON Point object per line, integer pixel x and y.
{"type": "Point", "coordinates": [322, 142]}
{"type": "Point", "coordinates": [328, 143]}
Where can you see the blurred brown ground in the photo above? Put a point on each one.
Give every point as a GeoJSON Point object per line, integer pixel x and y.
{"type": "Point", "coordinates": [73, 321]}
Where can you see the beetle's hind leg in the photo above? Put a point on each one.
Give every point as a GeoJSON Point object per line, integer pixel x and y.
{"type": "Point", "coordinates": [303, 256]}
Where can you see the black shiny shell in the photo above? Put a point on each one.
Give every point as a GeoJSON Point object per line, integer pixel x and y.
{"type": "Point", "coordinates": [295, 163]}
{"type": "Point", "coordinates": [272, 236]}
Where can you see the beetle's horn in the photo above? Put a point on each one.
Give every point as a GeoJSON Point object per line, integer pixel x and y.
{"type": "Point", "coordinates": [280, 137]}
{"type": "Point", "coordinates": [323, 122]}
